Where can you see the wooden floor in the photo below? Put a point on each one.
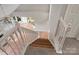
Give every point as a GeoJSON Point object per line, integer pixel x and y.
{"type": "Point", "coordinates": [41, 46]}
{"type": "Point", "coordinates": [41, 42]}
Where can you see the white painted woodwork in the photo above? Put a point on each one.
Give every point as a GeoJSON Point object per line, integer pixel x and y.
{"type": "Point", "coordinates": [16, 40]}
{"type": "Point", "coordinates": [57, 11]}
{"type": "Point", "coordinates": [60, 35]}
{"type": "Point", "coordinates": [46, 19]}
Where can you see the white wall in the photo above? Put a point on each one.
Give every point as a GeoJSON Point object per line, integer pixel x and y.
{"type": "Point", "coordinates": [42, 27]}
{"type": "Point", "coordinates": [72, 16]}
{"type": "Point", "coordinates": [9, 8]}
{"type": "Point", "coordinates": [1, 12]}
{"type": "Point", "coordinates": [56, 12]}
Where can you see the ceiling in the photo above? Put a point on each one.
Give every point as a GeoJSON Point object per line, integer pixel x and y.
{"type": "Point", "coordinates": [33, 7]}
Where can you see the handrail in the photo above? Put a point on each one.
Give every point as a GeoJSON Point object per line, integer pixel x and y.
{"type": "Point", "coordinates": [16, 40]}
{"type": "Point", "coordinates": [60, 35]}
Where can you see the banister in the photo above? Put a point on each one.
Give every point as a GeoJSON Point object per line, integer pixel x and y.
{"type": "Point", "coordinates": [18, 45]}
{"type": "Point", "coordinates": [60, 35]}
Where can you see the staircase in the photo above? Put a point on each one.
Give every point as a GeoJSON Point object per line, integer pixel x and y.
{"type": "Point", "coordinates": [42, 43]}
{"type": "Point", "coordinates": [41, 46]}
{"type": "Point", "coordinates": [16, 39]}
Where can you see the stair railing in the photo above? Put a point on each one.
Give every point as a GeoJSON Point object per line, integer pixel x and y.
{"type": "Point", "coordinates": [60, 35]}
{"type": "Point", "coordinates": [15, 41]}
